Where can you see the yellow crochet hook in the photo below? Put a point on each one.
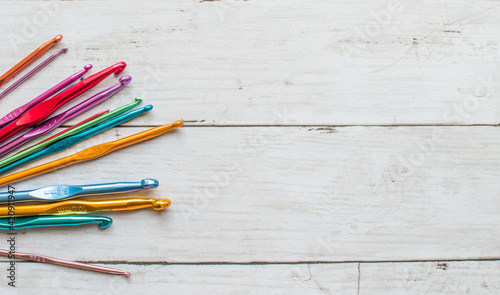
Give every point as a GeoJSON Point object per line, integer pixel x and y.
{"type": "Point", "coordinates": [89, 153]}
{"type": "Point", "coordinates": [83, 207]}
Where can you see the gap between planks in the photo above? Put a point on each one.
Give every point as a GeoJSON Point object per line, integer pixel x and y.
{"type": "Point", "coordinates": [279, 263]}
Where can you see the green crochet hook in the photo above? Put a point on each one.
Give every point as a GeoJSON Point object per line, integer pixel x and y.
{"type": "Point", "coordinates": [80, 128]}
{"type": "Point", "coordinates": [45, 221]}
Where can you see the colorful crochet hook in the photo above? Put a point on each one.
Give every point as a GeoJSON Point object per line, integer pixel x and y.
{"type": "Point", "coordinates": [13, 223]}
{"type": "Point", "coordinates": [64, 192]}
{"type": "Point", "coordinates": [29, 59]}
{"type": "Point", "coordinates": [89, 153]}
{"type": "Point", "coordinates": [32, 72]}
{"type": "Point", "coordinates": [75, 126]}
{"type": "Point", "coordinates": [60, 119]}
{"type": "Point", "coordinates": [61, 262]}
{"type": "Point", "coordinates": [44, 109]}
{"type": "Point", "coordinates": [10, 117]}
{"type": "Point", "coordinates": [68, 142]}
{"type": "Point", "coordinates": [83, 207]}
{"type": "Point", "coordinates": [80, 128]}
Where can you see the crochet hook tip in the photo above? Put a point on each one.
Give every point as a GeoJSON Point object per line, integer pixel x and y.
{"type": "Point", "coordinates": [149, 183]}
{"type": "Point", "coordinates": [88, 67]}
{"type": "Point", "coordinates": [58, 39]}
{"type": "Point", "coordinates": [64, 50]}
{"type": "Point", "coordinates": [105, 223]}
{"type": "Point", "coordinates": [160, 204]}
{"type": "Point", "coordinates": [177, 124]}
{"type": "Point", "coordinates": [125, 80]}
{"type": "Point", "coordinates": [119, 67]}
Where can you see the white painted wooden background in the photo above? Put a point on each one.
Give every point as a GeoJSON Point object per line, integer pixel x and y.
{"type": "Point", "coordinates": [330, 147]}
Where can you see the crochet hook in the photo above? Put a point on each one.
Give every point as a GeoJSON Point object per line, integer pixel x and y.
{"type": "Point", "coordinates": [76, 125]}
{"type": "Point", "coordinates": [32, 72]}
{"type": "Point", "coordinates": [13, 223]}
{"type": "Point", "coordinates": [68, 142]}
{"type": "Point", "coordinates": [44, 109]}
{"type": "Point", "coordinates": [50, 260]}
{"type": "Point", "coordinates": [29, 59]}
{"type": "Point", "coordinates": [64, 192]}
{"type": "Point", "coordinates": [21, 110]}
{"type": "Point", "coordinates": [60, 119]}
{"type": "Point", "coordinates": [89, 153]}
{"type": "Point", "coordinates": [80, 128]}
{"type": "Point", "coordinates": [83, 207]}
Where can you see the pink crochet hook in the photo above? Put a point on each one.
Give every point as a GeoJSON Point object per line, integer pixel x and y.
{"type": "Point", "coordinates": [10, 117]}
{"type": "Point", "coordinates": [46, 259]}
{"type": "Point", "coordinates": [43, 110]}
{"type": "Point", "coordinates": [60, 119]}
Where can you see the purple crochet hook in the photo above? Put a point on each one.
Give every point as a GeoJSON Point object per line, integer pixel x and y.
{"type": "Point", "coordinates": [32, 72]}
{"type": "Point", "coordinates": [58, 120]}
{"type": "Point", "coordinates": [21, 110]}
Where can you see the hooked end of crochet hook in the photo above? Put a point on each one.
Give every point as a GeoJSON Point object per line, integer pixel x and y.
{"type": "Point", "coordinates": [105, 222]}
{"type": "Point", "coordinates": [58, 39]}
{"type": "Point", "coordinates": [65, 49]}
{"type": "Point", "coordinates": [119, 67]}
{"type": "Point", "coordinates": [125, 80]}
{"type": "Point", "coordinates": [88, 67]}
{"type": "Point", "coordinates": [160, 204]}
{"type": "Point", "coordinates": [177, 124]}
{"type": "Point", "coordinates": [138, 99]}
{"type": "Point", "coordinates": [149, 183]}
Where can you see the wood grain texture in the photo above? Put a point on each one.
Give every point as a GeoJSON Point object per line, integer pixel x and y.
{"type": "Point", "coordinates": [294, 194]}
{"type": "Point", "coordinates": [430, 278]}
{"type": "Point", "coordinates": [190, 279]}
{"type": "Point", "coordinates": [241, 62]}
{"type": "Point", "coordinates": [323, 152]}
{"type": "Point", "coordinates": [379, 278]}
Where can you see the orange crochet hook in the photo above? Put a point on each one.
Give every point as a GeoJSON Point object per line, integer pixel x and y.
{"type": "Point", "coordinates": [90, 153]}
{"type": "Point", "coordinates": [29, 59]}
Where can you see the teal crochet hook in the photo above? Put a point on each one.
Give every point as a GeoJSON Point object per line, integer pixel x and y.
{"type": "Point", "coordinates": [13, 223]}
{"type": "Point", "coordinates": [74, 139]}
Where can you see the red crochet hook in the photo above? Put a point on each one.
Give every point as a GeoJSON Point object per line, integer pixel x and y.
{"type": "Point", "coordinates": [44, 109]}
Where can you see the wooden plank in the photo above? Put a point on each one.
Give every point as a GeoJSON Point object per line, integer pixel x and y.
{"type": "Point", "coordinates": [430, 278]}
{"type": "Point", "coordinates": [275, 62]}
{"type": "Point", "coordinates": [375, 278]}
{"type": "Point", "coordinates": [292, 194]}
{"type": "Point", "coordinates": [189, 279]}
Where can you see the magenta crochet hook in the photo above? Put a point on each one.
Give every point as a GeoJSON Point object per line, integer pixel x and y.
{"type": "Point", "coordinates": [60, 119]}
{"type": "Point", "coordinates": [12, 116]}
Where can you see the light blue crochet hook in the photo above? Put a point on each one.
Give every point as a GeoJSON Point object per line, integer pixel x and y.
{"type": "Point", "coordinates": [63, 192]}
{"type": "Point", "coordinates": [74, 139]}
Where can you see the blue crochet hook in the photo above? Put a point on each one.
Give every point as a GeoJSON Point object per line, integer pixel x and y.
{"type": "Point", "coordinates": [63, 192]}
{"type": "Point", "coordinates": [74, 139]}
{"type": "Point", "coordinates": [13, 223]}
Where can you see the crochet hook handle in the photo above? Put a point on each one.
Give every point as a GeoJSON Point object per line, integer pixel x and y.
{"type": "Point", "coordinates": [49, 221]}
{"type": "Point", "coordinates": [44, 109]}
{"type": "Point", "coordinates": [13, 115]}
{"type": "Point", "coordinates": [60, 119]}
{"type": "Point", "coordinates": [89, 153]}
{"type": "Point", "coordinates": [68, 142]}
